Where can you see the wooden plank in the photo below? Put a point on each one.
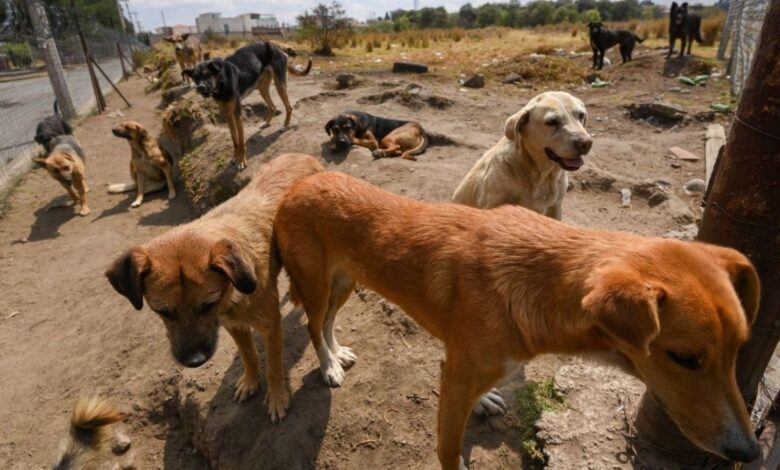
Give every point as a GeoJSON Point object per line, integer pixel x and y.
{"type": "Point", "coordinates": [715, 138]}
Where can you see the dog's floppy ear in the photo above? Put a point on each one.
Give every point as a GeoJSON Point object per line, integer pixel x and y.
{"type": "Point", "coordinates": [360, 123]}
{"type": "Point", "coordinates": [215, 66]}
{"type": "Point", "coordinates": [625, 307]}
{"type": "Point", "coordinates": [127, 273]}
{"type": "Point", "coordinates": [40, 161]}
{"type": "Point", "coordinates": [226, 259]}
{"type": "Point", "coordinates": [329, 126]}
{"type": "Point", "coordinates": [743, 277]}
{"type": "Point", "coordinates": [516, 122]}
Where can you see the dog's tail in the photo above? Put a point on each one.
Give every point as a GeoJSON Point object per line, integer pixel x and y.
{"type": "Point", "coordinates": [117, 188]}
{"type": "Point", "coordinates": [697, 30]}
{"type": "Point", "coordinates": [295, 71]}
{"type": "Point", "coordinates": [639, 40]}
{"type": "Point", "coordinates": [419, 149]}
{"type": "Point", "coordinates": [88, 432]}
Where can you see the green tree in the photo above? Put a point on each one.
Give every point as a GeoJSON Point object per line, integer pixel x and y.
{"type": "Point", "coordinates": [467, 16]}
{"type": "Point", "coordinates": [325, 27]}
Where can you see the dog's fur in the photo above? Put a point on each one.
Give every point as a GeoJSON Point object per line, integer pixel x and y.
{"type": "Point", "coordinates": [187, 49]}
{"type": "Point", "coordinates": [65, 163]}
{"type": "Point", "coordinates": [89, 432]}
{"type": "Point", "coordinates": [501, 286]}
{"type": "Point", "coordinates": [526, 167]}
{"type": "Point", "coordinates": [684, 26]}
{"type": "Point", "coordinates": [221, 270]}
{"type": "Point", "coordinates": [51, 127]}
{"type": "Point", "coordinates": [151, 168]}
{"type": "Point", "coordinates": [384, 137]}
{"type": "Point", "coordinates": [602, 39]}
{"type": "Point", "coordinates": [229, 80]}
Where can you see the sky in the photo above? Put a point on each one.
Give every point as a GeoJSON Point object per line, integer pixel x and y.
{"type": "Point", "coordinates": [185, 11]}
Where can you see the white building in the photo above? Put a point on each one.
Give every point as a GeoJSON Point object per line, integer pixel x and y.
{"type": "Point", "coordinates": [247, 22]}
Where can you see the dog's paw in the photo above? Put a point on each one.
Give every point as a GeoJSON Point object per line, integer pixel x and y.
{"type": "Point", "coordinates": [171, 195]}
{"type": "Point", "coordinates": [84, 211]}
{"type": "Point", "coordinates": [333, 374]}
{"type": "Point", "coordinates": [490, 404]}
{"type": "Point", "coordinates": [265, 125]}
{"type": "Point", "coordinates": [377, 153]}
{"type": "Point", "coordinates": [278, 405]}
{"type": "Point", "coordinates": [136, 203]}
{"type": "Point", "coordinates": [346, 357]}
{"type": "Point", "coordinates": [246, 387]}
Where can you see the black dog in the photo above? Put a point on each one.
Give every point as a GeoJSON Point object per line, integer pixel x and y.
{"type": "Point", "coordinates": [51, 127]}
{"type": "Point", "coordinates": [384, 137]}
{"type": "Point", "coordinates": [601, 40]}
{"type": "Point", "coordinates": [683, 25]}
{"type": "Point", "coordinates": [229, 80]}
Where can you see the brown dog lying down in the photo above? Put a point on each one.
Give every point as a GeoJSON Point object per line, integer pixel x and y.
{"type": "Point", "coordinates": [501, 286]}
{"type": "Point", "coordinates": [221, 270]}
{"type": "Point", "coordinates": [150, 167]}
{"type": "Point", "coordinates": [65, 163]}
{"type": "Point", "coordinates": [384, 137]}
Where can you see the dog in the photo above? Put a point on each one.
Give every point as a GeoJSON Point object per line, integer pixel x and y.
{"type": "Point", "coordinates": [89, 433]}
{"type": "Point", "coordinates": [529, 165]}
{"type": "Point", "coordinates": [501, 286]}
{"type": "Point", "coordinates": [685, 26]}
{"type": "Point", "coordinates": [51, 127]}
{"type": "Point", "coordinates": [65, 163]}
{"type": "Point", "coordinates": [221, 270]}
{"type": "Point", "coordinates": [187, 49]}
{"type": "Point", "coordinates": [384, 137]}
{"type": "Point", "coordinates": [601, 40]}
{"type": "Point", "coordinates": [230, 80]}
{"type": "Point", "coordinates": [151, 168]}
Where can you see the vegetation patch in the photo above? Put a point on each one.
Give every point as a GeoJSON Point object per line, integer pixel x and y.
{"type": "Point", "coordinates": [533, 399]}
{"type": "Point", "coordinates": [545, 69]}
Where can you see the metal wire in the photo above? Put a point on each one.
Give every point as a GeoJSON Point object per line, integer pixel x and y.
{"type": "Point", "coordinates": [742, 28]}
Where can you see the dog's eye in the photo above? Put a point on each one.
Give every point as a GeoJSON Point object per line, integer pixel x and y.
{"type": "Point", "coordinates": [689, 361]}
{"type": "Point", "coordinates": [581, 117]}
{"type": "Point", "coordinates": [165, 313]}
{"type": "Point", "coordinates": [204, 308]}
{"type": "Point", "coordinates": [552, 122]}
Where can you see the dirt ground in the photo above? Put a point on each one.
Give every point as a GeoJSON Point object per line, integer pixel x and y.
{"type": "Point", "coordinates": [64, 332]}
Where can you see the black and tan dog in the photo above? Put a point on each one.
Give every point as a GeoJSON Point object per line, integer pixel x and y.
{"type": "Point", "coordinates": [65, 163]}
{"type": "Point", "coordinates": [233, 78]}
{"type": "Point", "coordinates": [51, 127]}
{"type": "Point", "coordinates": [384, 137]}
{"type": "Point", "coordinates": [602, 39]}
{"type": "Point", "coordinates": [684, 26]}
{"type": "Point", "coordinates": [151, 168]}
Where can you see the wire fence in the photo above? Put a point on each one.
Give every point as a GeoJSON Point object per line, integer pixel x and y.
{"type": "Point", "coordinates": [26, 93]}
{"type": "Point", "coordinates": [741, 32]}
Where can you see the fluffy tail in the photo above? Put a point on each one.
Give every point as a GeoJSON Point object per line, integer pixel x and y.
{"type": "Point", "coordinates": [88, 433]}
{"type": "Point", "coordinates": [295, 71]}
{"type": "Point", "coordinates": [639, 40]}
{"type": "Point", "coordinates": [121, 188]}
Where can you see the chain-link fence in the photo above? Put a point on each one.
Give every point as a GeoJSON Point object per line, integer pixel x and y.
{"type": "Point", "coordinates": [741, 32]}
{"type": "Point", "coordinates": [26, 93]}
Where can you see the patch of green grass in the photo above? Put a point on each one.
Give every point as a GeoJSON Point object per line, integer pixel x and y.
{"type": "Point", "coordinates": [533, 399]}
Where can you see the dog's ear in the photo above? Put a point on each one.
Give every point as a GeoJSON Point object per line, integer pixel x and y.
{"type": "Point", "coordinates": [127, 273]}
{"type": "Point", "coordinates": [168, 39]}
{"type": "Point", "coordinates": [684, 6]}
{"type": "Point", "coordinates": [674, 5]}
{"type": "Point", "coordinates": [185, 36]}
{"type": "Point", "coordinates": [206, 55]}
{"type": "Point", "coordinates": [743, 277]}
{"type": "Point", "coordinates": [226, 259]}
{"type": "Point", "coordinates": [215, 66]}
{"type": "Point", "coordinates": [187, 73]}
{"type": "Point", "coordinates": [516, 122]}
{"type": "Point", "coordinates": [40, 161]}
{"type": "Point", "coordinates": [360, 123]}
{"type": "Point", "coordinates": [329, 126]}
{"type": "Point", "coordinates": [625, 307]}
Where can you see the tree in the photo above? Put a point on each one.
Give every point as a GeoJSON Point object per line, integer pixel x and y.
{"type": "Point", "coordinates": [325, 27]}
{"type": "Point", "coordinates": [467, 16]}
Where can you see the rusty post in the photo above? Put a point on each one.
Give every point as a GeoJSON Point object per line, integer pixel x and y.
{"type": "Point", "coordinates": [742, 212]}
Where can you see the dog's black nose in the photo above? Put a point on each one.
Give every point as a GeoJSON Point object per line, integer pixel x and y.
{"type": "Point", "coordinates": [583, 145]}
{"type": "Point", "coordinates": [742, 449]}
{"type": "Point", "coordinates": [195, 359]}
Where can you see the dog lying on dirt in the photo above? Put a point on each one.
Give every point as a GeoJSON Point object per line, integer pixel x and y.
{"type": "Point", "coordinates": [602, 39]}
{"type": "Point", "coordinates": [89, 433]}
{"type": "Point", "coordinates": [187, 50]}
{"type": "Point", "coordinates": [384, 137]}
{"type": "Point", "coordinates": [684, 26]}
{"type": "Point", "coordinates": [221, 270]}
{"type": "Point", "coordinates": [51, 127]}
{"type": "Point", "coordinates": [501, 286]}
{"type": "Point", "coordinates": [65, 163]}
{"type": "Point", "coordinates": [230, 80]}
{"type": "Point", "coordinates": [528, 166]}
{"type": "Point", "coordinates": [151, 168]}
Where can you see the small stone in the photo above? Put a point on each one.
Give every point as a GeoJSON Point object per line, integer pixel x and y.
{"type": "Point", "coordinates": [676, 165]}
{"type": "Point", "coordinates": [625, 196]}
{"type": "Point", "coordinates": [684, 155]}
{"type": "Point", "coordinates": [474, 81]}
{"type": "Point", "coordinates": [512, 78]}
{"type": "Point", "coordinates": [658, 197]}
{"type": "Point", "coordinates": [695, 186]}
{"type": "Point", "coordinates": [121, 443]}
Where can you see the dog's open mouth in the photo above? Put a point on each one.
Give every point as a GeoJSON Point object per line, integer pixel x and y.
{"type": "Point", "coordinates": [568, 164]}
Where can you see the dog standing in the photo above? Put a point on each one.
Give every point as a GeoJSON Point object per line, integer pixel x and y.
{"type": "Point", "coordinates": [51, 127]}
{"type": "Point", "coordinates": [221, 270]}
{"type": "Point", "coordinates": [501, 286]}
{"type": "Point", "coordinates": [151, 168]}
{"type": "Point", "coordinates": [88, 435]}
{"type": "Point", "coordinates": [187, 49]}
{"type": "Point", "coordinates": [384, 137]}
{"type": "Point", "coordinates": [65, 163]}
{"type": "Point", "coordinates": [602, 39]}
{"type": "Point", "coordinates": [685, 26]}
{"type": "Point", "coordinates": [230, 80]}
{"type": "Point", "coordinates": [528, 166]}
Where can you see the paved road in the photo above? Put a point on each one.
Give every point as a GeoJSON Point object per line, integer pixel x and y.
{"type": "Point", "coordinates": [23, 103]}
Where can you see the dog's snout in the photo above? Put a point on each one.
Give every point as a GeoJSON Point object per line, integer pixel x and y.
{"type": "Point", "coordinates": [195, 358]}
{"type": "Point", "coordinates": [741, 447]}
{"type": "Point", "coordinates": [583, 144]}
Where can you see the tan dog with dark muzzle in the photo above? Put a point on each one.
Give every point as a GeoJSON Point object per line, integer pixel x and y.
{"type": "Point", "coordinates": [501, 286]}
{"type": "Point", "coordinates": [221, 270]}
{"type": "Point", "coordinates": [65, 163]}
{"type": "Point", "coordinates": [187, 49]}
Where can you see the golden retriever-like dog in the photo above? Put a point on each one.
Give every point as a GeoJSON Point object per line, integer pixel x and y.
{"type": "Point", "coordinates": [528, 166]}
{"type": "Point", "coordinates": [150, 167]}
{"type": "Point", "coordinates": [221, 270]}
{"type": "Point", "coordinates": [65, 163]}
{"type": "Point", "coordinates": [501, 286]}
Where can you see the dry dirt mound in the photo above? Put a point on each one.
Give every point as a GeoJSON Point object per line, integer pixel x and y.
{"type": "Point", "coordinates": [547, 69]}
{"type": "Point", "coordinates": [412, 96]}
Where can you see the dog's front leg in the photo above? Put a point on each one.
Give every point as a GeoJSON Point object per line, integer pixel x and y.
{"type": "Point", "coordinates": [79, 182]}
{"type": "Point", "coordinates": [140, 184]}
{"type": "Point", "coordinates": [270, 328]}
{"type": "Point", "coordinates": [249, 382]}
{"type": "Point", "coordinates": [169, 182]}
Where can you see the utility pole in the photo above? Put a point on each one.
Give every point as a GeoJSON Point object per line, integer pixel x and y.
{"type": "Point", "coordinates": [742, 212]}
{"type": "Point", "coordinates": [162, 13]}
{"type": "Point", "coordinates": [52, 58]}
{"type": "Point", "coordinates": [121, 17]}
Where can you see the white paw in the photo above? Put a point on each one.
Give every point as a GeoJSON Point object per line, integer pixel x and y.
{"type": "Point", "coordinates": [172, 195]}
{"type": "Point", "coordinates": [333, 374]}
{"type": "Point", "coordinates": [490, 404]}
{"type": "Point", "coordinates": [135, 204]}
{"type": "Point", "coordinates": [346, 357]}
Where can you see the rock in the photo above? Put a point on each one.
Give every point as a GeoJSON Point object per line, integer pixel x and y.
{"type": "Point", "coordinates": [474, 81]}
{"type": "Point", "coordinates": [594, 179]}
{"type": "Point", "coordinates": [686, 232]}
{"type": "Point", "coordinates": [679, 211]}
{"type": "Point", "coordinates": [658, 197]}
{"type": "Point", "coordinates": [695, 186]}
{"type": "Point", "coordinates": [644, 189]}
{"type": "Point", "coordinates": [625, 197]}
{"type": "Point", "coordinates": [676, 165]}
{"type": "Point", "coordinates": [121, 443]}
{"type": "Point", "coordinates": [659, 113]}
{"type": "Point", "coordinates": [684, 155]}
{"type": "Point", "coordinates": [512, 78]}
{"type": "Point", "coordinates": [409, 67]}
{"type": "Point", "coordinates": [345, 80]}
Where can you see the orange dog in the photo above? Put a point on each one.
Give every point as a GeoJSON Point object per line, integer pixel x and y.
{"type": "Point", "coordinates": [501, 286]}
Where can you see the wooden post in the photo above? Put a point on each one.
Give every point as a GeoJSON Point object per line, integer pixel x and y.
{"type": "Point", "coordinates": [125, 73]}
{"type": "Point", "coordinates": [743, 212]}
{"type": "Point", "coordinates": [99, 99]}
{"type": "Point", "coordinates": [715, 138]}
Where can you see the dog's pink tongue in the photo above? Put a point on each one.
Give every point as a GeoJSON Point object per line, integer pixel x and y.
{"type": "Point", "coordinates": [573, 163]}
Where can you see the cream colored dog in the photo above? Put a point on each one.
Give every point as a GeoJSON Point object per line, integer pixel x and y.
{"type": "Point", "coordinates": [526, 167]}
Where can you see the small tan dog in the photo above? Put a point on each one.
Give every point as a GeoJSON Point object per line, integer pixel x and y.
{"type": "Point", "coordinates": [528, 166]}
{"type": "Point", "coordinates": [65, 163]}
{"type": "Point", "coordinates": [187, 49]}
{"type": "Point", "coordinates": [88, 435]}
{"type": "Point", "coordinates": [150, 167]}
{"type": "Point", "coordinates": [501, 286]}
{"type": "Point", "coordinates": [221, 270]}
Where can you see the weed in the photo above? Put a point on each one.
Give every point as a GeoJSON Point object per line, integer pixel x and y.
{"type": "Point", "coordinates": [532, 400]}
